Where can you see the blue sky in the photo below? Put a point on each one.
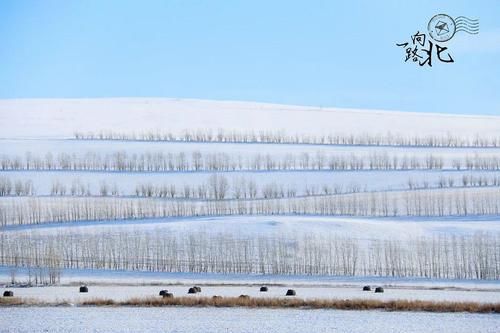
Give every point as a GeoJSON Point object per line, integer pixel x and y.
{"type": "Point", "coordinates": [321, 53]}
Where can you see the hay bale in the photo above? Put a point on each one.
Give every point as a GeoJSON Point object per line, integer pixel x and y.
{"type": "Point", "coordinates": [216, 297]}
{"type": "Point", "coordinates": [263, 289]}
{"type": "Point", "coordinates": [192, 291]}
{"type": "Point", "coordinates": [168, 295]}
{"type": "Point", "coordinates": [84, 289]}
{"type": "Point", "coordinates": [198, 289]}
{"type": "Point", "coordinates": [163, 292]}
{"type": "Point", "coordinates": [290, 292]}
{"type": "Point", "coordinates": [244, 296]}
{"type": "Point", "coordinates": [8, 293]}
{"type": "Point", "coordinates": [379, 290]}
{"type": "Point", "coordinates": [367, 288]}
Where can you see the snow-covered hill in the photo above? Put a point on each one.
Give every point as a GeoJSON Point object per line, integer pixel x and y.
{"type": "Point", "coordinates": [62, 117]}
{"type": "Point", "coordinates": [227, 187]}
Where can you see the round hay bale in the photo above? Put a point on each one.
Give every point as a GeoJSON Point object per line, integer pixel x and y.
{"type": "Point", "coordinates": [263, 289]}
{"type": "Point", "coordinates": [168, 295]}
{"type": "Point", "coordinates": [192, 291]}
{"type": "Point", "coordinates": [290, 292]}
{"type": "Point", "coordinates": [163, 292]}
{"type": "Point", "coordinates": [244, 296]}
{"type": "Point", "coordinates": [367, 288]}
{"type": "Point", "coordinates": [198, 289]}
{"type": "Point", "coordinates": [379, 290]}
{"type": "Point", "coordinates": [215, 297]}
{"type": "Point", "coordinates": [84, 289]}
{"type": "Point", "coordinates": [8, 293]}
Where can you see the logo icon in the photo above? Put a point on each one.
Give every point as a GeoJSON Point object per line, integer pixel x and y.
{"type": "Point", "coordinates": [442, 27]}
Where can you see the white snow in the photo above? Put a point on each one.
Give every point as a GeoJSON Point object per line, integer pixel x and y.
{"type": "Point", "coordinates": [105, 277]}
{"type": "Point", "coordinates": [400, 229]}
{"type": "Point", "coordinates": [61, 117]}
{"type": "Point", "coordinates": [240, 320]}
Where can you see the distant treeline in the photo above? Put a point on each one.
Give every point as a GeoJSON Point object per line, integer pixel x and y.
{"type": "Point", "coordinates": [281, 137]}
{"type": "Point", "coordinates": [449, 257]}
{"type": "Point", "coordinates": [198, 161]}
{"type": "Point", "coordinates": [443, 202]}
{"type": "Point", "coordinates": [220, 187]}
{"type": "Point", "coordinates": [18, 187]}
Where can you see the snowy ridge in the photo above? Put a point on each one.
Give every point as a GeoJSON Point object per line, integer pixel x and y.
{"type": "Point", "coordinates": [62, 117]}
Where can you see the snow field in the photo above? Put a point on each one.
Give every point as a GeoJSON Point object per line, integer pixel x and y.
{"type": "Point", "coordinates": [62, 117]}
{"type": "Point", "coordinates": [121, 293]}
{"type": "Point", "coordinates": [238, 320]}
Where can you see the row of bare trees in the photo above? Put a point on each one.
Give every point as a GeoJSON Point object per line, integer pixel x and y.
{"type": "Point", "coordinates": [221, 187]}
{"type": "Point", "coordinates": [450, 257]}
{"type": "Point", "coordinates": [18, 187]}
{"type": "Point", "coordinates": [78, 188]}
{"type": "Point", "coordinates": [281, 137]}
{"type": "Point", "coordinates": [444, 202]}
{"type": "Point", "coordinates": [466, 180]}
{"type": "Point", "coordinates": [38, 275]}
{"type": "Point", "coordinates": [197, 161]}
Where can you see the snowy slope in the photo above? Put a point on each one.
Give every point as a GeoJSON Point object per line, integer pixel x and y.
{"type": "Point", "coordinates": [61, 117]}
{"type": "Point", "coordinates": [362, 229]}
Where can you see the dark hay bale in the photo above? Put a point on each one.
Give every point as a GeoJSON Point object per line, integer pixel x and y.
{"type": "Point", "coordinates": [367, 288]}
{"type": "Point", "coordinates": [263, 289]}
{"type": "Point", "coordinates": [216, 297]}
{"type": "Point", "coordinates": [168, 295]}
{"type": "Point", "coordinates": [379, 290]}
{"type": "Point", "coordinates": [192, 291]}
{"type": "Point", "coordinates": [198, 289]}
{"type": "Point", "coordinates": [8, 293]}
{"type": "Point", "coordinates": [290, 292]}
{"type": "Point", "coordinates": [163, 292]}
{"type": "Point", "coordinates": [84, 289]}
{"type": "Point", "coordinates": [244, 296]}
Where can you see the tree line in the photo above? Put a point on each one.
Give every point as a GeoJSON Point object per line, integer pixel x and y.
{"type": "Point", "coordinates": [221, 187]}
{"type": "Point", "coordinates": [444, 257]}
{"type": "Point", "coordinates": [281, 137]}
{"type": "Point", "coordinates": [443, 202]}
{"type": "Point", "coordinates": [18, 187]}
{"type": "Point", "coordinates": [198, 161]}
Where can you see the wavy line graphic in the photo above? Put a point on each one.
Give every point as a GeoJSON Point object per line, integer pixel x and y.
{"type": "Point", "coordinates": [469, 32]}
{"type": "Point", "coordinates": [465, 18]}
{"type": "Point", "coordinates": [467, 25]}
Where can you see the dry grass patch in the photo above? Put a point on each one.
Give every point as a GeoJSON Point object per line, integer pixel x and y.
{"type": "Point", "coordinates": [6, 301]}
{"type": "Point", "coordinates": [25, 301]}
{"type": "Point", "coordinates": [258, 302]}
{"type": "Point", "coordinates": [98, 302]}
{"type": "Point", "coordinates": [355, 304]}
